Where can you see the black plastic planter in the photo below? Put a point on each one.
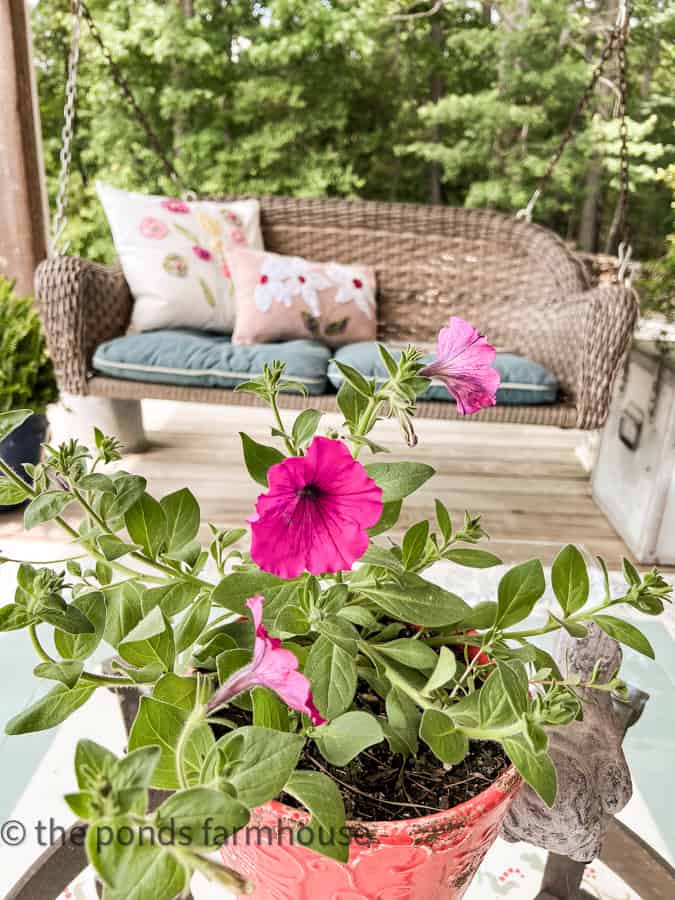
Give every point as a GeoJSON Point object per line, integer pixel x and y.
{"type": "Point", "coordinates": [23, 446]}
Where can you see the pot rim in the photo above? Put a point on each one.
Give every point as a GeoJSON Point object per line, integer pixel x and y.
{"type": "Point", "coordinates": [507, 783]}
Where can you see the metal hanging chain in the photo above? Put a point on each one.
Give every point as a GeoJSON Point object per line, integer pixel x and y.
{"type": "Point", "coordinates": [60, 219]}
{"type": "Point", "coordinates": [625, 249]}
{"type": "Point", "coordinates": [616, 40]}
{"type": "Point", "coordinates": [586, 97]}
{"type": "Point", "coordinates": [127, 93]}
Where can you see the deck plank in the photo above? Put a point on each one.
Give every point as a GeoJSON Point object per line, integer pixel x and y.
{"type": "Point", "coordinates": [526, 481]}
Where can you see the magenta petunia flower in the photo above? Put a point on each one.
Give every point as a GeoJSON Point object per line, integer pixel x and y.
{"type": "Point", "coordinates": [201, 253]}
{"type": "Point", "coordinates": [315, 515]}
{"type": "Point", "coordinates": [272, 667]}
{"type": "Point", "coordinates": [464, 364]}
{"type": "Point", "coordinates": [175, 206]}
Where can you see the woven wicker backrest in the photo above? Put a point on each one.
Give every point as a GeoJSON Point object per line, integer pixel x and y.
{"type": "Point", "coordinates": [500, 273]}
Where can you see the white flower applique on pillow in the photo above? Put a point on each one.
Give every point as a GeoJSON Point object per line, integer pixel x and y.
{"type": "Point", "coordinates": [353, 287]}
{"type": "Point", "coordinates": [283, 278]}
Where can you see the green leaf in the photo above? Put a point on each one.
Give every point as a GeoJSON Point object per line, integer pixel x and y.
{"type": "Point", "coordinates": [147, 525]}
{"type": "Point", "coordinates": [10, 421]}
{"type": "Point", "coordinates": [444, 671]}
{"type": "Point", "coordinates": [136, 868]}
{"type": "Point", "coordinates": [202, 817]}
{"type": "Point", "coordinates": [66, 618]}
{"type": "Point", "coordinates": [81, 646]}
{"type": "Point", "coordinates": [411, 653]}
{"type": "Point", "coordinates": [383, 558]}
{"type": "Point", "coordinates": [414, 542]}
{"type": "Point", "coordinates": [113, 547]}
{"type": "Point", "coordinates": [519, 590]}
{"type": "Point", "coordinates": [45, 507]}
{"type": "Point", "coordinates": [10, 493]}
{"type": "Point", "coordinates": [357, 381]}
{"type": "Point", "coordinates": [230, 661]}
{"type": "Point", "coordinates": [235, 589]}
{"type": "Point", "coordinates": [305, 426]}
{"type": "Point", "coordinates": [351, 403]}
{"type": "Point", "coordinates": [625, 633]}
{"type": "Point", "coordinates": [172, 598]}
{"type": "Point", "coordinates": [150, 642]}
{"type": "Point", "coordinates": [176, 690]}
{"type": "Point", "coordinates": [418, 601]}
{"type": "Point", "coordinates": [399, 479]}
{"type": "Point", "coordinates": [182, 517]}
{"type": "Point", "coordinates": [259, 458]}
{"type": "Point", "coordinates": [390, 514]}
{"type": "Point", "coordinates": [440, 733]}
{"type": "Point", "coordinates": [502, 699]}
{"type": "Point", "coordinates": [470, 556]}
{"type": "Point", "coordinates": [268, 710]}
{"type": "Point", "coordinates": [13, 617]}
{"type": "Point", "coordinates": [256, 762]}
{"type": "Point", "coordinates": [193, 624]}
{"type": "Point", "coordinates": [404, 719]}
{"type": "Point", "coordinates": [536, 768]}
{"type": "Point", "coordinates": [574, 629]}
{"type": "Point", "coordinates": [125, 611]}
{"type": "Point", "coordinates": [67, 672]}
{"type": "Point", "coordinates": [347, 735]}
{"type": "Point", "coordinates": [443, 519]}
{"type": "Point", "coordinates": [98, 482]}
{"type": "Point", "coordinates": [332, 673]}
{"type": "Point", "coordinates": [135, 770]}
{"type": "Point", "coordinates": [320, 795]}
{"type": "Point", "coordinates": [160, 724]}
{"type": "Point", "coordinates": [50, 710]}
{"type": "Point", "coordinates": [128, 490]}
{"type": "Point", "coordinates": [91, 762]}
{"type": "Point", "coordinates": [569, 577]}
{"type": "Point", "coordinates": [339, 632]}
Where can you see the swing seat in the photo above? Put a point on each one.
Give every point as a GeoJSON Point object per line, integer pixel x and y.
{"type": "Point", "coordinates": [516, 282]}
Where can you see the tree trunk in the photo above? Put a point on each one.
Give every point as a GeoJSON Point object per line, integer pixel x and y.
{"type": "Point", "coordinates": [435, 171]}
{"type": "Point", "coordinates": [589, 225]}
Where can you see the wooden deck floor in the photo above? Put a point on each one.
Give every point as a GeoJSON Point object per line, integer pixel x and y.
{"type": "Point", "coordinates": [525, 481]}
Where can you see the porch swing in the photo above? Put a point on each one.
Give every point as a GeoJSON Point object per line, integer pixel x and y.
{"type": "Point", "coordinates": [514, 280]}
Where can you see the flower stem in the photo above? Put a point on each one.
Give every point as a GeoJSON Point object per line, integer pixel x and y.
{"type": "Point", "coordinates": [92, 677]}
{"type": "Point", "coordinates": [290, 446]}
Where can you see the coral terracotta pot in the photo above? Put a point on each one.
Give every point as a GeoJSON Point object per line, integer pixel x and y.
{"type": "Point", "coordinates": [432, 858]}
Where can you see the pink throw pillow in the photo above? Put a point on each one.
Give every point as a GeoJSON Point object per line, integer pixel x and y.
{"type": "Point", "coordinates": [282, 298]}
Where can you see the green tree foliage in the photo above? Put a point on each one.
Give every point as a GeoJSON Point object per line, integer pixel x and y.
{"type": "Point", "coordinates": [360, 98]}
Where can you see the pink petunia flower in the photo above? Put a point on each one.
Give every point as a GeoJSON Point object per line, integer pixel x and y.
{"type": "Point", "coordinates": [153, 228]}
{"type": "Point", "coordinates": [175, 206]}
{"type": "Point", "coordinates": [315, 515]}
{"type": "Point", "coordinates": [272, 667]}
{"type": "Point", "coordinates": [464, 364]}
{"type": "Point", "coordinates": [201, 253]}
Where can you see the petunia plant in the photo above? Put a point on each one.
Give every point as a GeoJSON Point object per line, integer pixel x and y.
{"type": "Point", "coordinates": [264, 671]}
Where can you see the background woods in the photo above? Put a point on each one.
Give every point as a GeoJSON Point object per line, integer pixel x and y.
{"type": "Point", "coordinates": [370, 98]}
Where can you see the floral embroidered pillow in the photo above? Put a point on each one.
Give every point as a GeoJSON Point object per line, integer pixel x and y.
{"type": "Point", "coordinates": [281, 298]}
{"type": "Point", "coordinates": [172, 253]}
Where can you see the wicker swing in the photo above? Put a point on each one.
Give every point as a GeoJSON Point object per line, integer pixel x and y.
{"type": "Point", "coordinates": [516, 281]}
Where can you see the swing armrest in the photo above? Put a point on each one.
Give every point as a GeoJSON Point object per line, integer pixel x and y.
{"type": "Point", "coordinates": [603, 320]}
{"type": "Point", "coordinates": [82, 303]}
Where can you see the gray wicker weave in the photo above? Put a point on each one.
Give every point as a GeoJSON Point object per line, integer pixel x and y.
{"type": "Point", "coordinates": [515, 281]}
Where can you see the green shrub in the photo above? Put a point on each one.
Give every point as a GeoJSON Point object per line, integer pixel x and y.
{"type": "Point", "coordinates": [26, 371]}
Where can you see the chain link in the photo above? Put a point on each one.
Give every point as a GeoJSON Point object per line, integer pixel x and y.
{"type": "Point", "coordinates": [580, 108]}
{"type": "Point", "coordinates": [127, 93]}
{"type": "Point", "coordinates": [60, 217]}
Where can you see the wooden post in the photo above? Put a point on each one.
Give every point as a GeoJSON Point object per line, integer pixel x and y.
{"type": "Point", "coordinates": [23, 210]}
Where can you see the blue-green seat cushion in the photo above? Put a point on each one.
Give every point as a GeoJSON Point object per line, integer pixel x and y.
{"type": "Point", "coordinates": [522, 380]}
{"type": "Point", "coordinates": [204, 359]}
